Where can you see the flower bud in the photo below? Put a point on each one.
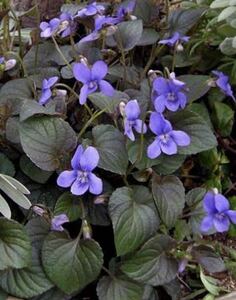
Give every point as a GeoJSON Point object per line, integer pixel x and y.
{"type": "Point", "coordinates": [84, 60]}
{"type": "Point", "coordinates": [38, 210]}
{"type": "Point", "coordinates": [152, 75]}
{"type": "Point", "coordinates": [122, 108]}
{"type": "Point", "coordinates": [179, 48]}
{"type": "Point", "coordinates": [133, 18]}
{"type": "Point", "coordinates": [215, 191]}
{"type": "Point", "coordinates": [9, 64]}
{"type": "Point", "coordinates": [87, 232]}
{"type": "Point", "coordinates": [60, 93]}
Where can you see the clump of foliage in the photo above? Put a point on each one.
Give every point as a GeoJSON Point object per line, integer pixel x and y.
{"type": "Point", "coordinates": [117, 151]}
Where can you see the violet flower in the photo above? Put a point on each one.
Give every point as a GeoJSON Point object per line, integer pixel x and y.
{"type": "Point", "coordinates": [91, 9]}
{"type": "Point", "coordinates": [49, 28]}
{"type": "Point", "coordinates": [92, 79]}
{"type": "Point", "coordinates": [7, 64]}
{"type": "Point", "coordinates": [174, 40]}
{"type": "Point", "coordinates": [218, 214]}
{"type": "Point", "coordinates": [67, 25]}
{"type": "Point", "coordinates": [124, 10]}
{"type": "Point", "coordinates": [46, 89]}
{"type": "Point", "coordinates": [81, 178]}
{"type": "Point", "coordinates": [167, 139]}
{"type": "Point", "coordinates": [100, 23]}
{"type": "Point", "coordinates": [167, 93]}
{"type": "Point", "coordinates": [222, 82]}
{"type": "Point", "coordinates": [58, 221]}
{"type": "Point", "coordinates": [132, 121]}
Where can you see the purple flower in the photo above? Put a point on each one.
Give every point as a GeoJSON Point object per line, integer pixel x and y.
{"type": "Point", "coordinates": [174, 40]}
{"type": "Point", "coordinates": [46, 89]}
{"type": "Point", "coordinates": [2, 60]}
{"type": "Point", "coordinates": [125, 10]}
{"type": "Point", "coordinates": [7, 64]}
{"type": "Point", "coordinates": [58, 221]}
{"type": "Point", "coordinates": [218, 214]}
{"type": "Point", "coordinates": [167, 139]}
{"type": "Point", "coordinates": [222, 82]}
{"type": "Point", "coordinates": [132, 113]}
{"type": "Point", "coordinates": [182, 265]}
{"type": "Point", "coordinates": [81, 178]}
{"type": "Point", "coordinates": [100, 23]}
{"type": "Point", "coordinates": [49, 28]}
{"type": "Point", "coordinates": [167, 93]}
{"type": "Point", "coordinates": [92, 79]}
{"type": "Point", "coordinates": [67, 24]}
{"type": "Point", "coordinates": [91, 10]}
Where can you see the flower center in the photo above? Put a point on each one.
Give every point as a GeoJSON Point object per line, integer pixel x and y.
{"type": "Point", "coordinates": [220, 216]}
{"type": "Point", "coordinates": [82, 176]}
{"type": "Point", "coordinates": [164, 138]}
{"type": "Point", "coordinates": [171, 96]}
{"type": "Point", "coordinates": [92, 84]}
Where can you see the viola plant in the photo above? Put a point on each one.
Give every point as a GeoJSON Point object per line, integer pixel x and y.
{"type": "Point", "coordinates": [117, 148]}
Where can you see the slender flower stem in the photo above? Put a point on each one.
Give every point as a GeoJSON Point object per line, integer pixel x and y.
{"type": "Point", "coordinates": [60, 52]}
{"type": "Point", "coordinates": [94, 117]}
{"type": "Point", "coordinates": [109, 273]}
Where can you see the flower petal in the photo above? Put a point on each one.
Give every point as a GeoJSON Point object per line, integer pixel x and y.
{"type": "Point", "coordinates": [157, 123]}
{"type": "Point", "coordinates": [206, 224]}
{"type": "Point", "coordinates": [84, 92]}
{"type": "Point", "coordinates": [140, 126]}
{"type": "Point", "coordinates": [58, 221]}
{"type": "Point", "coordinates": [89, 159]}
{"type": "Point", "coordinates": [180, 137]}
{"type": "Point", "coordinates": [81, 72]}
{"type": "Point", "coordinates": [66, 178]}
{"type": "Point", "coordinates": [132, 110]}
{"type": "Point", "coordinates": [99, 70]}
{"type": "Point", "coordinates": [221, 224]}
{"type": "Point", "coordinates": [169, 148]}
{"type": "Point", "coordinates": [52, 81]}
{"type": "Point", "coordinates": [106, 88]}
{"type": "Point", "coordinates": [159, 103]}
{"type": "Point", "coordinates": [160, 85]}
{"type": "Point", "coordinates": [209, 203]}
{"type": "Point", "coordinates": [93, 36]}
{"type": "Point", "coordinates": [154, 150]}
{"type": "Point", "coordinates": [95, 184]}
{"type": "Point", "coordinates": [45, 96]}
{"type": "Point", "coordinates": [79, 188]}
{"type": "Point", "coordinates": [221, 203]}
{"type": "Point", "coordinates": [129, 130]}
{"type": "Point", "coordinates": [232, 215]}
{"type": "Point", "coordinates": [76, 157]}
{"type": "Point", "coordinates": [182, 99]}
{"type": "Point", "coordinates": [172, 105]}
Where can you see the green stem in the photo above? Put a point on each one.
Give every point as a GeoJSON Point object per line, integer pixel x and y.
{"type": "Point", "coordinates": [60, 52]}
{"type": "Point", "coordinates": [109, 273]}
{"type": "Point", "coordinates": [94, 116]}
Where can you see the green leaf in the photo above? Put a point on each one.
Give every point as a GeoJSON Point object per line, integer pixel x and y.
{"type": "Point", "coordinates": [33, 108]}
{"type": "Point", "coordinates": [30, 281]}
{"type": "Point", "coordinates": [132, 208]}
{"type": "Point", "coordinates": [44, 55]}
{"type": "Point", "coordinates": [52, 294]}
{"type": "Point", "coordinates": [195, 196]}
{"type": "Point", "coordinates": [169, 196]}
{"type": "Point", "coordinates": [110, 143]}
{"type": "Point", "coordinates": [150, 293]}
{"type": "Point", "coordinates": [4, 208]}
{"type": "Point", "coordinates": [210, 284]}
{"type": "Point", "coordinates": [46, 140]}
{"type": "Point", "coordinates": [70, 205]}
{"type": "Point", "coordinates": [227, 12]}
{"type": "Point", "coordinates": [15, 93]}
{"type": "Point", "coordinates": [14, 190]}
{"type": "Point", "coordinates": [182, 20]}
{"type": "Point", "coordinates": [146, 10]}
{"type": "Point", "coordinates": [223, 118]}
{"type": "Point", "coordinates": [219, 3]}
{"type": "Point", "coordinates": [6, 166]}
{"type": "Point", "coordinates": [208, 259]}
{"type": "Point", "coordinates": [197, 86]}
{"type": "Point", "coordinates": [4, 296]}
{"type": "Point", "coordinates": [15, 245]}
{"type": "Point", "coordinates": [109, 103]}
{"type": "Point", "coordinates": [149, 37]}
{"type": "Point", "coordinates": [201, 110]}
{"type": "Point", "coordinates": [151, 265]}
{"type": "Point", "coordinates": [128, 34]}
{"type": "Point", "coordinates": [196, 128]}
{"type": "Point", "coordinates": [227, 48]}
{"type": "Point", "coordinates": [118, 288]}
{"type": "Point", "coordinates": [182, 230]}
{"type": "Point", "coordinates": [169, 164]}
{"type": "Point", "coordinates": [32, 171]}
{"type": "Point", "coordinates": [71, 264]}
